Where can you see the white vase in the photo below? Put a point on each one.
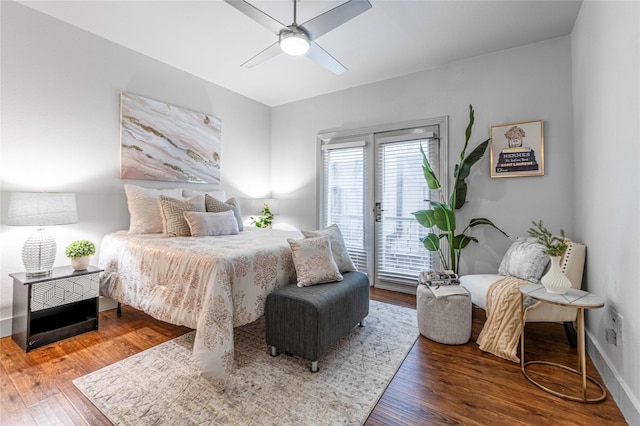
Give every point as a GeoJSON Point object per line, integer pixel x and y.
{"type": "Point", "coordinates": [555, 281]}
{"type": "Point", "coordinates": [80, 263]}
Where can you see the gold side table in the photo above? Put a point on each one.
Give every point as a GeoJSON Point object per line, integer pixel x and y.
{"type": "Point", "coordinates": [573, 298]}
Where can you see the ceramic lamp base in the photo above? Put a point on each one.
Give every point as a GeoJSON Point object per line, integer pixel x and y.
{"type": "Point", "coordinates": [38, 254]}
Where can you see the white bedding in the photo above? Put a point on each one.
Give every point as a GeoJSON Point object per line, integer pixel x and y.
{"type": "Point", "coordinates": [211, 284]}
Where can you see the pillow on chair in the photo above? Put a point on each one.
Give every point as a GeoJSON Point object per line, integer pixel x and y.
{"type": "Point", "coordinates": [525, 259]}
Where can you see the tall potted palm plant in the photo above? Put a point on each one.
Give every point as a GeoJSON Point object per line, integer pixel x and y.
{"type": "Point", "coordinates": [440, 218]}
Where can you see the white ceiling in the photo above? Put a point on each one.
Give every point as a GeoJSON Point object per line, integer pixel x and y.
{"type": "Point", "coordinates": [210, 39]}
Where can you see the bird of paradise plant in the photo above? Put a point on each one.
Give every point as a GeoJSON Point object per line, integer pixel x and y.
{"type": "Point", "coordinates": [442, 214]}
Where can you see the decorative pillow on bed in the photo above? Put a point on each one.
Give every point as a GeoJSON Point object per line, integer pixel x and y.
{"type": "Point", "coordinates": [216, 206]}
{"type": "Point", "coordinates": [338, 248]}
{"type": "Point", "coordinates": [172, 209]}
{"type": "Point", "coordinates": [144, 208]}
{"type": "Point", "coordinates": [210, 224]}
{"type": "Point", "coordinates": [313, 261]}
{"type": "Point", "coordinates": [218, 194]}
{"type": "Point", "coordinates": [525, 259]}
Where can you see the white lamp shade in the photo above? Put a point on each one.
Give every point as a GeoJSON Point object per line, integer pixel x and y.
{"type": "Point", "coordinates": [42, 208]}
{"type": "Point", "coordinates": [259, 203]}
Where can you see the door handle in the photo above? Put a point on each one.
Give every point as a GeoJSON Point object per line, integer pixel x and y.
{"type": "Point", "coordinates": [378, 212]}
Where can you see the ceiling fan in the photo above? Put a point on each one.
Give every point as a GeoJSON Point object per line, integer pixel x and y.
{"type": "Point", "coordinates": [299, 39]}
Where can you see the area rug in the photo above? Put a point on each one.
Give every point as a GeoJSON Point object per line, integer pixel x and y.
{"type": "Point", "coordinates": [162, 386]}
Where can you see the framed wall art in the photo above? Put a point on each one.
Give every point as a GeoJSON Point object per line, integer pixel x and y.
{"type": "Point", "coordinates": [517, 149]}
{"type": "Point", "coordinates": [164, 142]}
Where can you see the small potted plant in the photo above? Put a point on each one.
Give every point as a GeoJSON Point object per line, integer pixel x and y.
{"type": "Point", "coordinates": [79, 253]}
{"type": "Point", "coordinates": [263, 221]}
{"type": "Point", "coordinates": [554, 281]}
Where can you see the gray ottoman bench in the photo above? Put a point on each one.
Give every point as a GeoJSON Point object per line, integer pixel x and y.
{"type": "Point", "coordinates": [446, 319]}
{"type": "Point", "coordinates": [308, 321]}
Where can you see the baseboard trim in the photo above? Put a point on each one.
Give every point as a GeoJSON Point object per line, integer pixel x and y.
{"type": "Point", "coordinates": [106, 303]}
{"type": "Point", "coordinates": [618, 389]}
{"type": "Point", "coordinates": [401, 288]}
{"type": "Point", "coordinates": [5, 327]}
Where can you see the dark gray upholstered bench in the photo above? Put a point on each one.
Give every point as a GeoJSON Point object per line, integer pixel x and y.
{"type": "Point", "coordinates": [308, 321]}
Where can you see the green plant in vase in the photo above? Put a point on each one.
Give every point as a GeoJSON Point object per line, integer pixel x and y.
{"type": "Point", "coordinates": [79, 252]}
{"type": "Point", "coordinates": [441, 216]}
{"type": "Point", "coordinates": [554, 281]}
{"type": "Point", "coordinates": [264, 221]}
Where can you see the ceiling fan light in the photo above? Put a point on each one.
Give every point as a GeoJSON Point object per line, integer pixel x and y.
{"type": "Point", "coordinates": [294, 43]}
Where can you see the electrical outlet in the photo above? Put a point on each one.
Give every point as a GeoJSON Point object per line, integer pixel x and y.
{"type": "Point", "coordinates": [619, 326]}
{"type": "Point", "coordinates": [610, 335]}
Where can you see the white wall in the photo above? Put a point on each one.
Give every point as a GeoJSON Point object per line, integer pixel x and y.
{"type": "Point", "coordinates": [606, 91]}
{"type": "Point", "coordinates": [60, 128]}
{"type": "Point", "coordinates": [523, 84]}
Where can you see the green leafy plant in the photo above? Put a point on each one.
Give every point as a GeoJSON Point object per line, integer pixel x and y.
{"type": "Point", "coordinates": [553, 245]}
{"type": "Point", "coordinates": [264, 221]}
{"type": "Point", "coordinates": [80, 248]}
{"type": "Point", "coordinates": [442, 214]}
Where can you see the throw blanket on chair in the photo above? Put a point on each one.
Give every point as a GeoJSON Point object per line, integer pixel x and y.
{"type": "Point", "coordinates": [501, 331]}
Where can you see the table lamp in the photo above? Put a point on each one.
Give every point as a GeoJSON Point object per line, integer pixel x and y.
{"type": "Point", "coordinates": [258, 205]}
{"type": "Point", "coordinates": [41, 209]}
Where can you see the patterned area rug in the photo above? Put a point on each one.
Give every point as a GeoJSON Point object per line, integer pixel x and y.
{"type": "Point", "coordinates": [161, 386]}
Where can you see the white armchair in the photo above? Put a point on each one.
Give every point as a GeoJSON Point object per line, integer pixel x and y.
{"type": "Point", "coordinates": [525, 260]}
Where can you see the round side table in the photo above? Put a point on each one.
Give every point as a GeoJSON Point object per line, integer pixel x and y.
{"type": "Point", "coordinates": [573, 298]}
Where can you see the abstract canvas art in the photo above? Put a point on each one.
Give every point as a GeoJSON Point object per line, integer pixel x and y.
{"type": "Point", "coordinates": [164, 142]}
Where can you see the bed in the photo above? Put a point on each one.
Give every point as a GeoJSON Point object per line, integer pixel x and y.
{"type": "Point", "coordinates": [211, 284]}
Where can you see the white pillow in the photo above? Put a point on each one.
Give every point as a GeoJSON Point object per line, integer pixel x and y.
{"type": "Point", "coordinates": [144, 208]}
{"type": "Point", "coordinates": [216, 206]}
{"type": "Point", "coordinates": [313, 261]}
{"type": "Point", "coordinates": [338, 247]}
{"type": "Point", "coordinates": [211, 224]}
{"type": "Point", "coordinates": [525, 259]}
{"type": "Point", "coordinates": [172, 209]}
{"type": "Point", "coordinates": [218, 194]}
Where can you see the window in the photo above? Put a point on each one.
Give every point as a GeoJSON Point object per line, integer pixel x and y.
{"type": "Point", "coordinates": [371, 183]}
{"type": "Point", "coordinates": [345, 197]}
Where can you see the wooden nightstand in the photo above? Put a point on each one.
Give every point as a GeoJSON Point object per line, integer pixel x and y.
{"type": "Point", "coordinates": [52, 308]}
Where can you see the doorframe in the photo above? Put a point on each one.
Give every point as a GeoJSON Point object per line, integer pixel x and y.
{"type": "Point", "coordinates": [411, 134]}
{"type": "Point", "coordinates": [341, 135]}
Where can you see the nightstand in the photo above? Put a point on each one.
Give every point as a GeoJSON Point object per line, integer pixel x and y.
{"type": "Point", "coordinates": [52, 308]}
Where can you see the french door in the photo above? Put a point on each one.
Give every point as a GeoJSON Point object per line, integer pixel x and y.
{"type": "Point", "coordinates": [371, 183]}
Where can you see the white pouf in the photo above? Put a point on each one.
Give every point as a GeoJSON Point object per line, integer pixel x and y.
{"type": "Point", "coordinates": [446, 319]}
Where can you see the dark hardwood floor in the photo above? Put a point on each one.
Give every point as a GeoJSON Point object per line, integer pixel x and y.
{"type": "Point", "coordinates": [436, 385]}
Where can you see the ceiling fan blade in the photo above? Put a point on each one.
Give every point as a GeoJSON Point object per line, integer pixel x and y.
{"type": "Point", "coordinates": [257, 15]}
{"type": "Point", "coordinates": [335, 17]}
{"type": "Point", "coordinates": [267, 53]}
{"type": "Point", "coordinates": [321, 57]}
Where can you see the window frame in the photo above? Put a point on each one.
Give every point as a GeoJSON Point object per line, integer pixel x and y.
{"type": "Point", "coordinates": [337, 137]}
